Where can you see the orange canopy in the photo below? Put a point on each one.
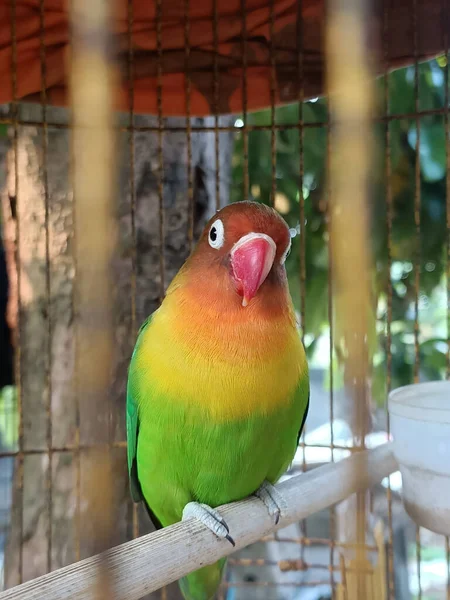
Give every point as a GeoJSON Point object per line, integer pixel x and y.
{"type": "Point", "coordinates": [208, 55]}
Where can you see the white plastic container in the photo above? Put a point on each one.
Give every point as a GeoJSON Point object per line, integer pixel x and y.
{"type": "Point", "coordinates": [420, 426]}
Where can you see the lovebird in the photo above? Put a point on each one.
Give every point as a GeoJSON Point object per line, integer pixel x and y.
{"type": "Point", "coordinates": [218, 385]}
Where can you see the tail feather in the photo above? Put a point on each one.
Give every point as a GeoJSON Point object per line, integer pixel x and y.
{"type": "Point", "coordinates": [204, 583]}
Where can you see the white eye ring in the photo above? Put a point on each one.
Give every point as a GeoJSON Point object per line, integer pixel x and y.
{"type": "Point", "coordinates": [216, 235]}
{"type": "Point", "coordinates": [286, 253]}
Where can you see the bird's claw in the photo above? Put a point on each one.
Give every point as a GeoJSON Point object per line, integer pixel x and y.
{"type": "Point", "coordinates": [210, 517]}
{"type": "Point", "coordinates": [273, 500]}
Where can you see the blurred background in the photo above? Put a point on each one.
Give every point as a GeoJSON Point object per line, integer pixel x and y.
{"type": "Point", "coordinates": [184, 168]}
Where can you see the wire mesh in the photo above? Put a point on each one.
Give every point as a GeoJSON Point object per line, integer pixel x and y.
{"type": "Point", "coordinates": [417, 257]}
{"type": "Point", "coordinates": [332, 569]}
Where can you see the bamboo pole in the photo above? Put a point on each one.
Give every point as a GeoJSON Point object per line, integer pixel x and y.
{"type": "Point", "coordinates": [350, 93]}
{"type": "Point", "coordinates": [93, 172]}
{"type": "Point", "coordinates": [148, 563]}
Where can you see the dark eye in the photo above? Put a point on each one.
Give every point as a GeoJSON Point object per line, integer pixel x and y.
{"type": "Point", "coordinates": [216, 236]}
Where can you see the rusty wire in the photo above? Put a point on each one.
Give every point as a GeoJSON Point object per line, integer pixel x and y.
{"type": "Point", "coordinates": [245, 131]}
{"type": "Point", "coordinates": [131, 148]}
{"type": "Point", "coordinates": [48, 366]}
{"type": "Point", "coordinates": [273, 82]}
{"type": "Point", "coordinates": [187, 77]}
{"type": "Point", "coordinates": [417, 254]}
{"type": "Point", "coordinates": [5, 120]}
{"type": "Point", "coordinates": [333, 446]}
{"type": "Point", "coordinates": [302, 220]}
{"type": "Point", "coordinates": [160, 175]}
{"type": "Point", "coordinates": [122, 444]}
{"type": "Point", "coordinates": [287, 564]}
{"type": "Point", "coordinates": [216, 91]}
{"type": "Point", "coordinates": [389, 217]}
{"type": "Point", "coordinates": [77, 448]}
{"type": "Point", "coordinates": [160, 129]}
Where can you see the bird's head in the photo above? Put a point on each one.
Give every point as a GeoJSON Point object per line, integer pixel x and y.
{"type": "Point", "coordinates": [245, 245]}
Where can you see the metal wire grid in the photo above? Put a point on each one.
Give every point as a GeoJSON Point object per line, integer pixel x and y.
{"type": "Point", "coordinates": [247, 129]}
{"type": "Point", "coordinates": [389, 216]}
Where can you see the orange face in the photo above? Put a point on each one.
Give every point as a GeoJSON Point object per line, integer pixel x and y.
{"type": "Point", "coordinates": [250, 242]}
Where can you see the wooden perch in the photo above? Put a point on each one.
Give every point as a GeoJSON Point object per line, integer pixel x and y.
{"type": "Point", "coordinates": [148, 563]}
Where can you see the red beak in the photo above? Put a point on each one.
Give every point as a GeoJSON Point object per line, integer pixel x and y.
{"type": "Point", "coordinates": [251, 260]}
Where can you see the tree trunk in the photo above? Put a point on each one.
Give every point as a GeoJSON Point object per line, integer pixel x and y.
{"type": "Point", "coordinates": [47, 315]}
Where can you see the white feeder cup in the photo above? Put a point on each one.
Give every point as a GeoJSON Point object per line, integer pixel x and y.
{"type": "Point", "coordinates": [420, 426]}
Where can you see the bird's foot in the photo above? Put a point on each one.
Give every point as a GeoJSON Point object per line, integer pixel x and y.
{"type": "Point", "coordinates": [272, 499]}
{"type": "Point", "coordinates": [209, 517]}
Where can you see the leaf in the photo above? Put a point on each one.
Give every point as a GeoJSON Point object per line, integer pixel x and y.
{"type": "Point", "coordinates": [432, 149]}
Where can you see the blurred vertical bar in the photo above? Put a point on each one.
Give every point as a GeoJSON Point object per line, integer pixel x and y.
{"type": "Point", "coordinates": [92, 97]}
{"type": "Point", "coordinates": [349, 87]}
{"type": "Point", "coordinates": [389, 216]}
{"type": "Point", "coordinates": [48, 374]}
{"type": "Point", "coordinates": [131, 145]}
{"type": "Point", "coordinates": [17, 338]}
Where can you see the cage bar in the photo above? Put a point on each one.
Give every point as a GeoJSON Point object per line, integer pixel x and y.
{"type": "Point", "coordinates": [160, 129]}
{"type": "Point", "coordinates": [187, 76]}
{"type": "Point", "coordinates": [273, 84]}
{"type": "Point", "coordinates": [48, 366]}
{"type": "Point", "coordinates": [131, 148]}
{"type": "Point", "coordinates": [91, 86]}
{"type": "Point", "coordinates": [389, 216]}
{"type": "Point", "coordinates": [216, 91]}
{"type": "Point", "coordinates": [231, 128]}
{"type": "Point", "coordinates": [302, 221]}
{"type": "Point", "coordinates": [245, 130]}
{"type": "Point", "coordinates": [418, 254]}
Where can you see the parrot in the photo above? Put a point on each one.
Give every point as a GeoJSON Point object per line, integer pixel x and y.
{"type": "Point", "coordinates": [218, 383]}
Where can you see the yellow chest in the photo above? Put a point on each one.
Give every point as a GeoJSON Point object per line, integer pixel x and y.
{"type": "Point", "coordinates": [229, 377]}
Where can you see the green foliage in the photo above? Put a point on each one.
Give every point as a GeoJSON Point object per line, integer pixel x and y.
{"type": "Point", "coordinates": [9, 417]}
{"type": "Point", "coordinates": [409, 247]}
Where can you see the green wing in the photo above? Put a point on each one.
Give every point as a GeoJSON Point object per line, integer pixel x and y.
{"type": "Point", "coordinates": [133, 430]}
{"type": "Point", "coordinates": [305, 414]}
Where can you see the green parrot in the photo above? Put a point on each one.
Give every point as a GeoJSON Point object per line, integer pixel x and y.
{"type": "Point", "coordinates": [218, 385]}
